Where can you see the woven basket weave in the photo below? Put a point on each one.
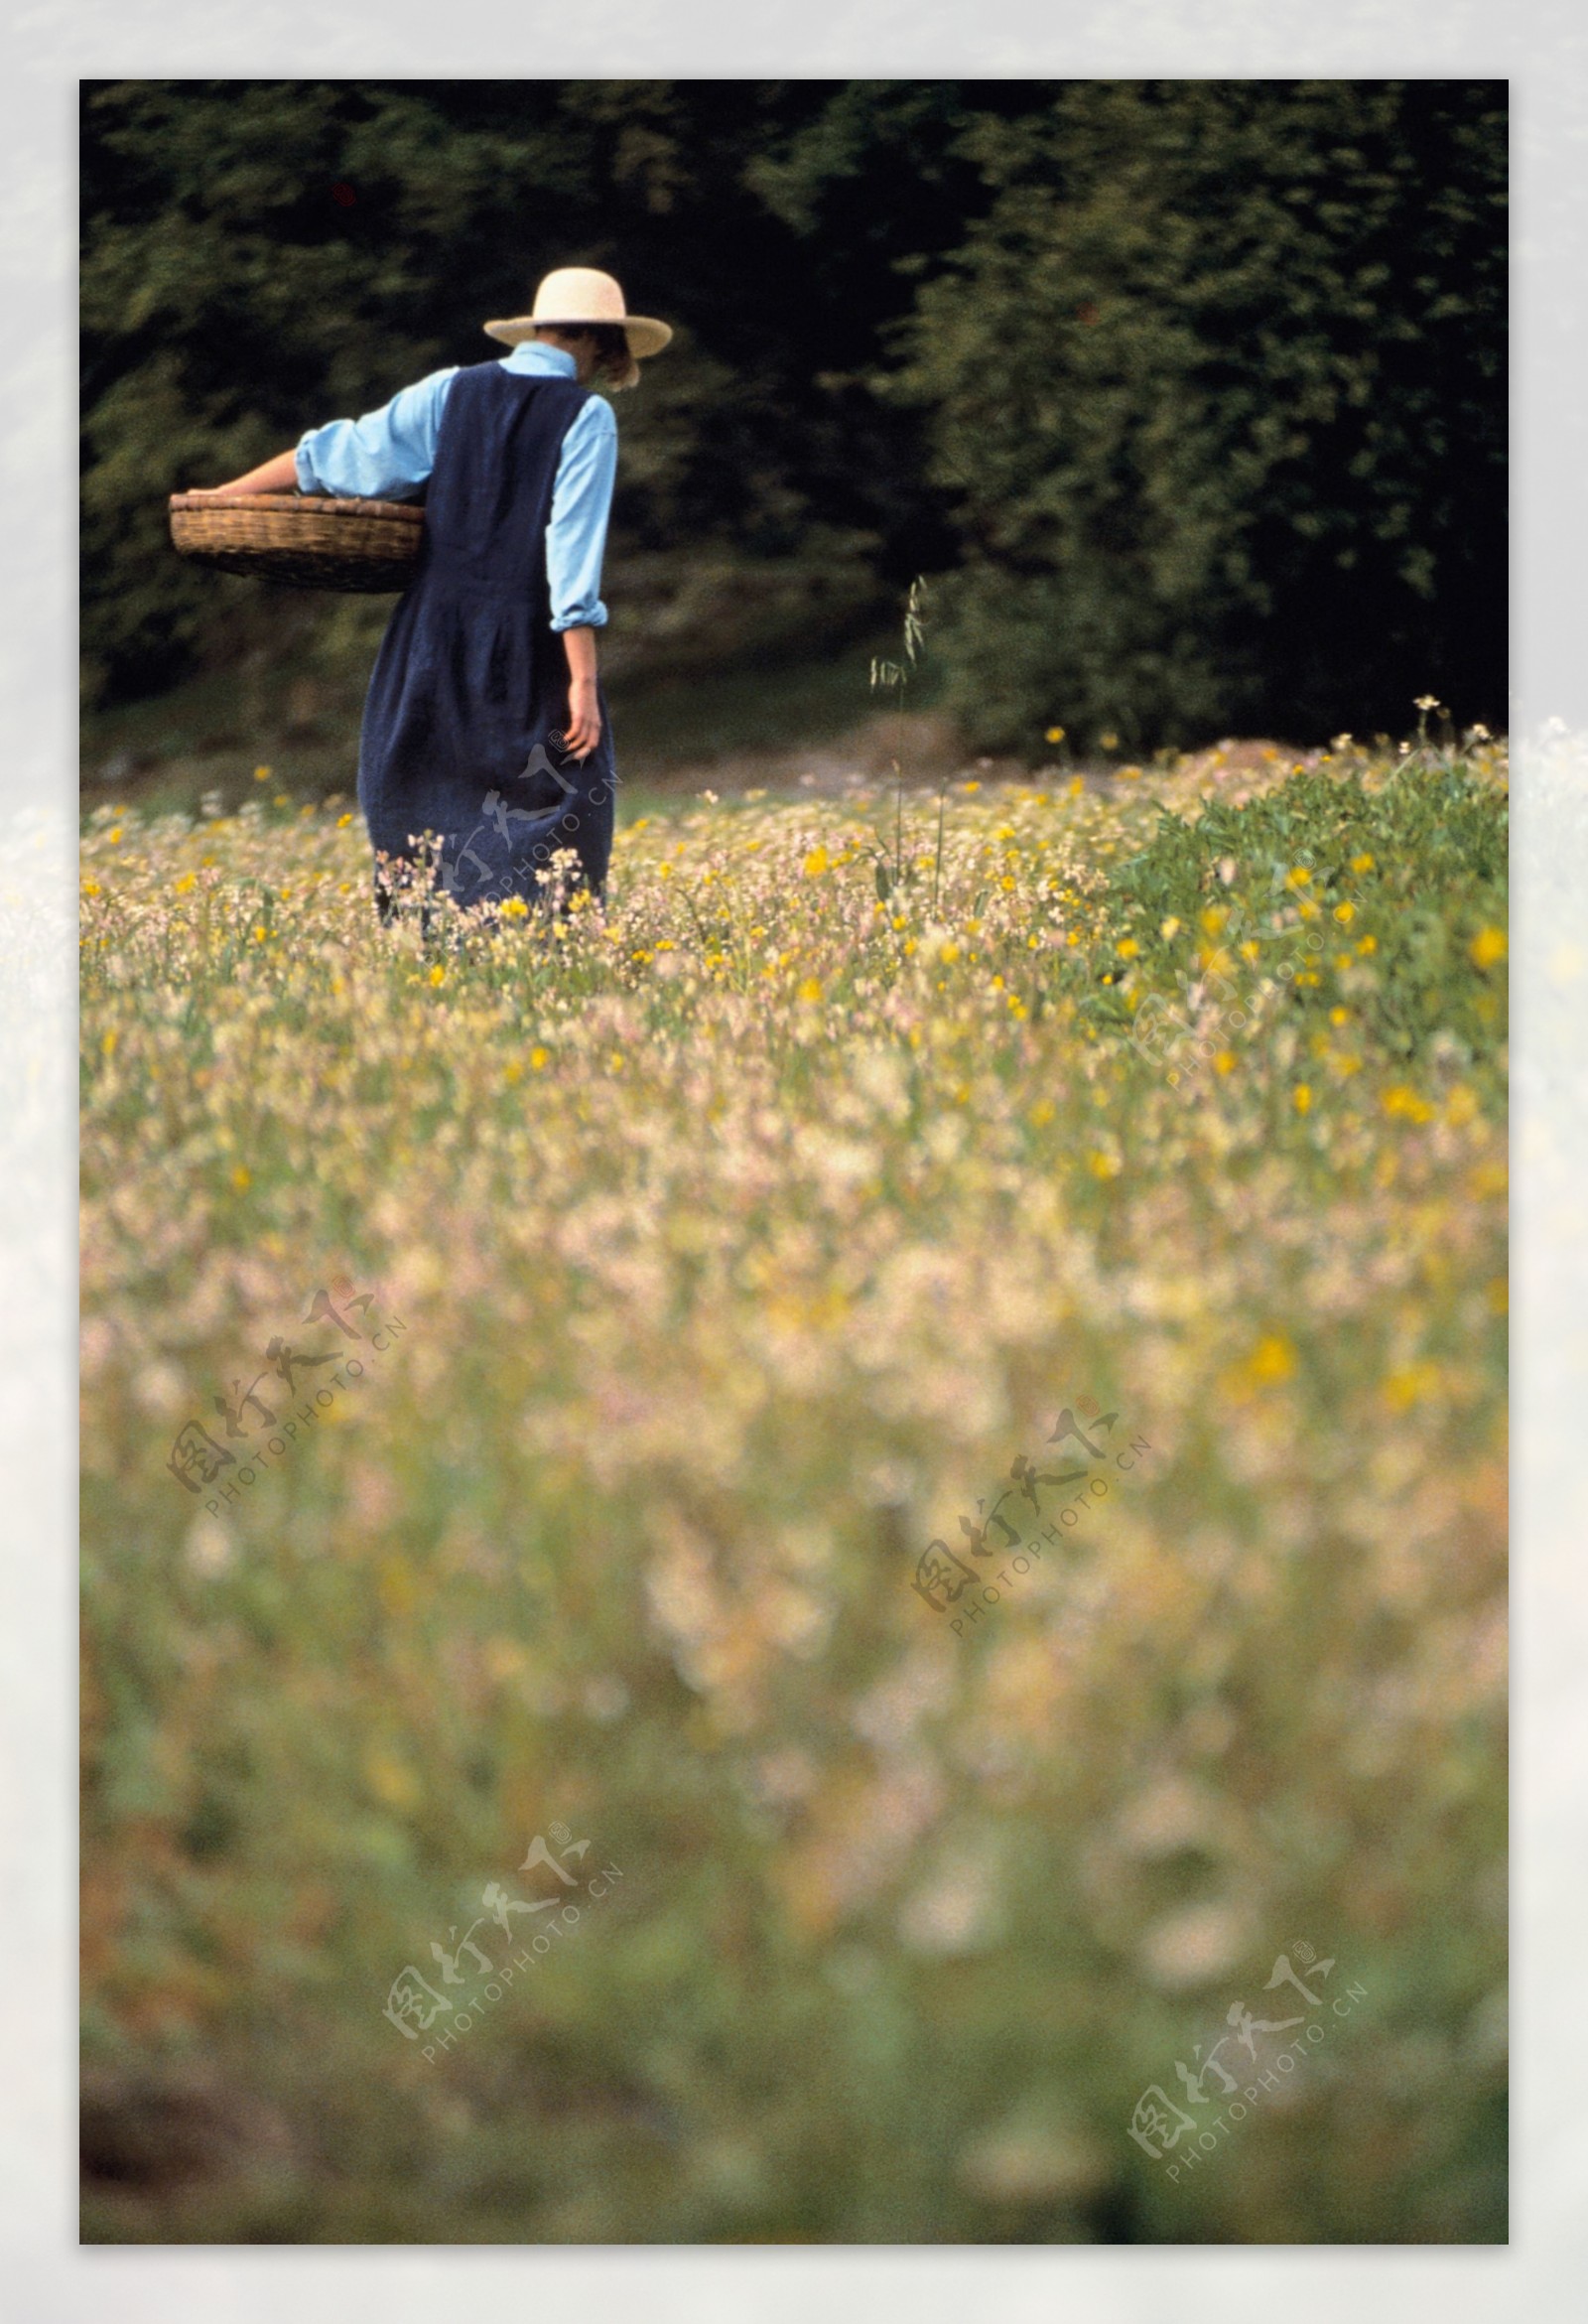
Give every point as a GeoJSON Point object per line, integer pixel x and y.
{"type": "Point", "coordinates": [314, 542]}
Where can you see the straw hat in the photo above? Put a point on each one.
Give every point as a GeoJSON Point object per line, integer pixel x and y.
{"type": "Point", "coordinates": [572, 295]}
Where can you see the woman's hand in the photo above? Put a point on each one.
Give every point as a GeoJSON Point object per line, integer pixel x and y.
{"type": "Point", "coordinates": [583, 729]}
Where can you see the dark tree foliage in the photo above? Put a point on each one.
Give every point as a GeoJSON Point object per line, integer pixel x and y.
{"type": "Point", "coordinates": [1218, 387]}
{"type": "Point", "coordinates": [1190, 392]}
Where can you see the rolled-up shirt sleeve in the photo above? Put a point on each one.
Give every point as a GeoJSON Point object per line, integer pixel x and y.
{"type": "Point", "coordinates": [385, 455]}
{"type": "Point", "coordinates": [582, 502]}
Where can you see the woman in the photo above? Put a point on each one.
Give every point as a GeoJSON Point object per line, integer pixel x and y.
{"type": "Point", "coordinates": [476, 730]}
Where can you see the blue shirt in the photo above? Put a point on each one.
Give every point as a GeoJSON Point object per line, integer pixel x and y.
{"type": "Point", "coordinates": [387, 453]}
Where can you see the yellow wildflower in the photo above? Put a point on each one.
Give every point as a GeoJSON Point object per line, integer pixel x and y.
{"type": "Point", "coordinates": [1488, 946]}
{"type": "Point", "coordinates": [392, 1783]}
{"type": "Point", "coordinates": [1412, 1384]}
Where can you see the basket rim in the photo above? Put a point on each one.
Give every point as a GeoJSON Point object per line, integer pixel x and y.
{"type": "Point", "coordinates": [308, 503]}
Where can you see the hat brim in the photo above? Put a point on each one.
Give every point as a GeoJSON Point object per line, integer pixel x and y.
{"type": "Point", "coordinates": [645, 335]}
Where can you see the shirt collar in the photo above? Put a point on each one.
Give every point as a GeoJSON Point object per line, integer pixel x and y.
{"type": "Point", "coordinates": [538, 355]}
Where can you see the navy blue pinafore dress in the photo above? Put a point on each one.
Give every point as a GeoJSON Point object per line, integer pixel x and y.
{"type": "Point", "coordinates": [462, 729]}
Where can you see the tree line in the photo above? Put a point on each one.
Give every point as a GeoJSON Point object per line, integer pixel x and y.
{"type": "Point", "coordinates": [1187, 396]}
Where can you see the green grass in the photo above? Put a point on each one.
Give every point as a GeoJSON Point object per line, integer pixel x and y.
{"type": "Point", "coordinates": [210, 734]}
{"type": "Point", "coordinates": [744, 1237]}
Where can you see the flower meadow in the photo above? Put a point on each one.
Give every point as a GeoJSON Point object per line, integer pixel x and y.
{"type": "Point", "coordinates": [524, 1372]}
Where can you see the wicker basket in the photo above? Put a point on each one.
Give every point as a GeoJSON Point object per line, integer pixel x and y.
{"type": "Point", "coordinates": [314, 542]}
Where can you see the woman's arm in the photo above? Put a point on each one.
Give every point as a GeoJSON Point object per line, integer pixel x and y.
{"type": "Point", "coordinates": [576, 537]}
{"type": "Point", "coordinates": [387, 454]}
{"type": "Point", "coordinates": [277, 476]}
{"type": "Point", "coordinates": [583, 729]}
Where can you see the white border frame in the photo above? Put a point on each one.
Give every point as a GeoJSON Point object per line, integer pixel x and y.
{"type": "Point", "coordinates": [1541, 48]}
